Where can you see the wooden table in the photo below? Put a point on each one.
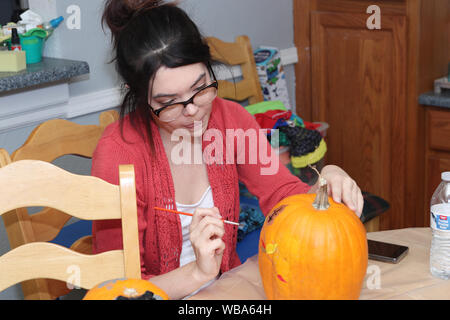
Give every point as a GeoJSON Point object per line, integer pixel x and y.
{"type": "Point", "coordinates": [409, 279]}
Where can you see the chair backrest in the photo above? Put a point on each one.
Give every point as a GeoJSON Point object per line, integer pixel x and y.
{"type": "Point", "coordinates": [57, 137]}
{"type": "Point", "coordinates": [37, 183]}
{"type": "Point", "coordinates": [49, 141]}
{"type": "Point", "coordinates": [236, 53]}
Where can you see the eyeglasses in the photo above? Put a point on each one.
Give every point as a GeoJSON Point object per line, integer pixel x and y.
{"type": "Point", "coordinates": [201, 98]}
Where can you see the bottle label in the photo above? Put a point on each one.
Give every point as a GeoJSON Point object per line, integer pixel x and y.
{"type": "Point", "coordinates": [440, 217]}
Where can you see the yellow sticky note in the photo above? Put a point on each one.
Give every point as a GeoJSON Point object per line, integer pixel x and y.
{"type": "Point", "coordinates": [12, 61]}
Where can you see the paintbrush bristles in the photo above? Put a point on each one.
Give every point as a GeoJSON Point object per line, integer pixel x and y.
{"type": "Point", "coordinates": [190, 214]}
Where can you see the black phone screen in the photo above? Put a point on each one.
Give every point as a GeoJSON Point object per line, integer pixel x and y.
{"type": "Point", "coordinates": [387, 252]}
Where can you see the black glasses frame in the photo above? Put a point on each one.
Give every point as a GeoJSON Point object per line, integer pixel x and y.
{"type": "Point", "coordinates": [184, 103]}
{"type": "Point", "coordinates": [215, 84]}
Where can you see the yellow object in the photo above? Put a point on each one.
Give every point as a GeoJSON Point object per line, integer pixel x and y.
{"type": "Point", "coordinates": [310, 158]}
{"type": "Point", "coordinates": [4, 37]}
{"type": "Point", "coordinates": [271, 248]}
{"type": "Point", "coordinates": [12, 61]}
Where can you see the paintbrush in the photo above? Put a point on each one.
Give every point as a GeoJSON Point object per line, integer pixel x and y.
{"type": "Point", "coordinates": [190, 214]}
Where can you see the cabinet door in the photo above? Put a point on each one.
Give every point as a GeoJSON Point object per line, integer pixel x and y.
{"type": "Point", "coordinates": [358, 87]}
{"type": "Point", "coordinates": [438, 124]}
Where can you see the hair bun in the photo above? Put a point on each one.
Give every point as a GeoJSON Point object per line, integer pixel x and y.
{"type": "Point", "coordinates": [143, 4]}
{"type": "Point", "coordinates": [118, 13]}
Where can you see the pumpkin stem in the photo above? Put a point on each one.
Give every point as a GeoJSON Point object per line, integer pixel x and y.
{"type": "Point", "coordinates": [321, 201]}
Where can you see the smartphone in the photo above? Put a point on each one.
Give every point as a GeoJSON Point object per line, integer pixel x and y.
{"type": "Point", "coordinates": [386, 252]}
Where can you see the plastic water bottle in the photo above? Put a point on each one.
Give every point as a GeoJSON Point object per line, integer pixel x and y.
{"type": "Point", "coordinates": [440, 228]}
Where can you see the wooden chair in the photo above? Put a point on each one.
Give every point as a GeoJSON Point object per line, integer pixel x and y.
{"type": "Point", "coordinates": [49, 141]}
{"type": "Point", "coordinates": [239, 53]}
{"type": "Point", "coordinates": [38, 183]}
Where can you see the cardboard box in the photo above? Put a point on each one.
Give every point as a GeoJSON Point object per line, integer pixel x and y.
{"type": "Point", "coordinates": [271, 75]}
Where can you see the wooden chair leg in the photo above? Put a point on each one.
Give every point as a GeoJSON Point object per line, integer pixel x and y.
{"type": "Point", "coordinates": [372, 225]}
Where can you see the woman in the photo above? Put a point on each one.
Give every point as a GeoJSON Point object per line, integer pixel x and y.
{"type": "Point", "coordinates": [165, 64]}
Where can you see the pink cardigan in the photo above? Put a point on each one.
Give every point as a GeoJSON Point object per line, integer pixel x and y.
{"type": "Point", "coordinates": [160, 233]}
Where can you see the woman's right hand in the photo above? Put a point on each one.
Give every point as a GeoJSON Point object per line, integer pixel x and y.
{"type": "Point", "coordinates": [206, 232]}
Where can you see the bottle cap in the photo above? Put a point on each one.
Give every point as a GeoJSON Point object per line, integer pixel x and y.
{"type": "Point", "coordinates": [55, 22]}
{"type": "Point", "coordinates": [445, 176]}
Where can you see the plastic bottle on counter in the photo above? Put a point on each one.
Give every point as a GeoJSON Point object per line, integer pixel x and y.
{"type": "Point", "coordinates": [440, 228]}
{"type": "Point", "coordinates": [15, 41]}
{"type": "Point", "coordinates": [51, 25]}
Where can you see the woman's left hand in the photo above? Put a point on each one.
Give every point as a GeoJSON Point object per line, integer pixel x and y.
{"type": "Point", "coordinates": [342, 188]}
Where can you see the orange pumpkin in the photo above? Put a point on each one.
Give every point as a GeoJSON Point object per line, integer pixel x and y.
{"type": "Point", "coordinates": [126, 289]}
{"type": "Point", "coordinates": [309, 253]}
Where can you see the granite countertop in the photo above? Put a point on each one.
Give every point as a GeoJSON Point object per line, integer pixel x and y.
{"type": "Point", "coordinates": [434, 99]}
{"type": "Point", "coordinates": [47, 71]}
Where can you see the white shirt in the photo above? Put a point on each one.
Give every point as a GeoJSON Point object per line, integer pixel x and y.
{"type": "Point", "coordinates": [187, 252]}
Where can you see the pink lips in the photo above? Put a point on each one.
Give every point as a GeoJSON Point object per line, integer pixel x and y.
{"type": "Point", "coordinates": [191, 126]}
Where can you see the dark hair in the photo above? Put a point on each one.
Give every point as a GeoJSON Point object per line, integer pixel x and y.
{"type": "Point", "coordinates": [147, 35]}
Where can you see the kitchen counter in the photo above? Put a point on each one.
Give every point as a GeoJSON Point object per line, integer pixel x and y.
{"type": "Point", "coordinates": [47, 71]}
{"type": "Point", "coordinates": [436, 100]}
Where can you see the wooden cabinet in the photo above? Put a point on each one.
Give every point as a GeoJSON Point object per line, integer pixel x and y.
{"type": "Point", "coordinates": [437, 151]}
{"type": "Point", "coordinates": [365, 84]}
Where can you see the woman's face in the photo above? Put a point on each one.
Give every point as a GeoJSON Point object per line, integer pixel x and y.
{"type": "Point", "coordinates": [172, 85]}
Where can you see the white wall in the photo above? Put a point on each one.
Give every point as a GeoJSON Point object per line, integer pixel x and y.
{"type": "Point", "coordinates": [266, 22]}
